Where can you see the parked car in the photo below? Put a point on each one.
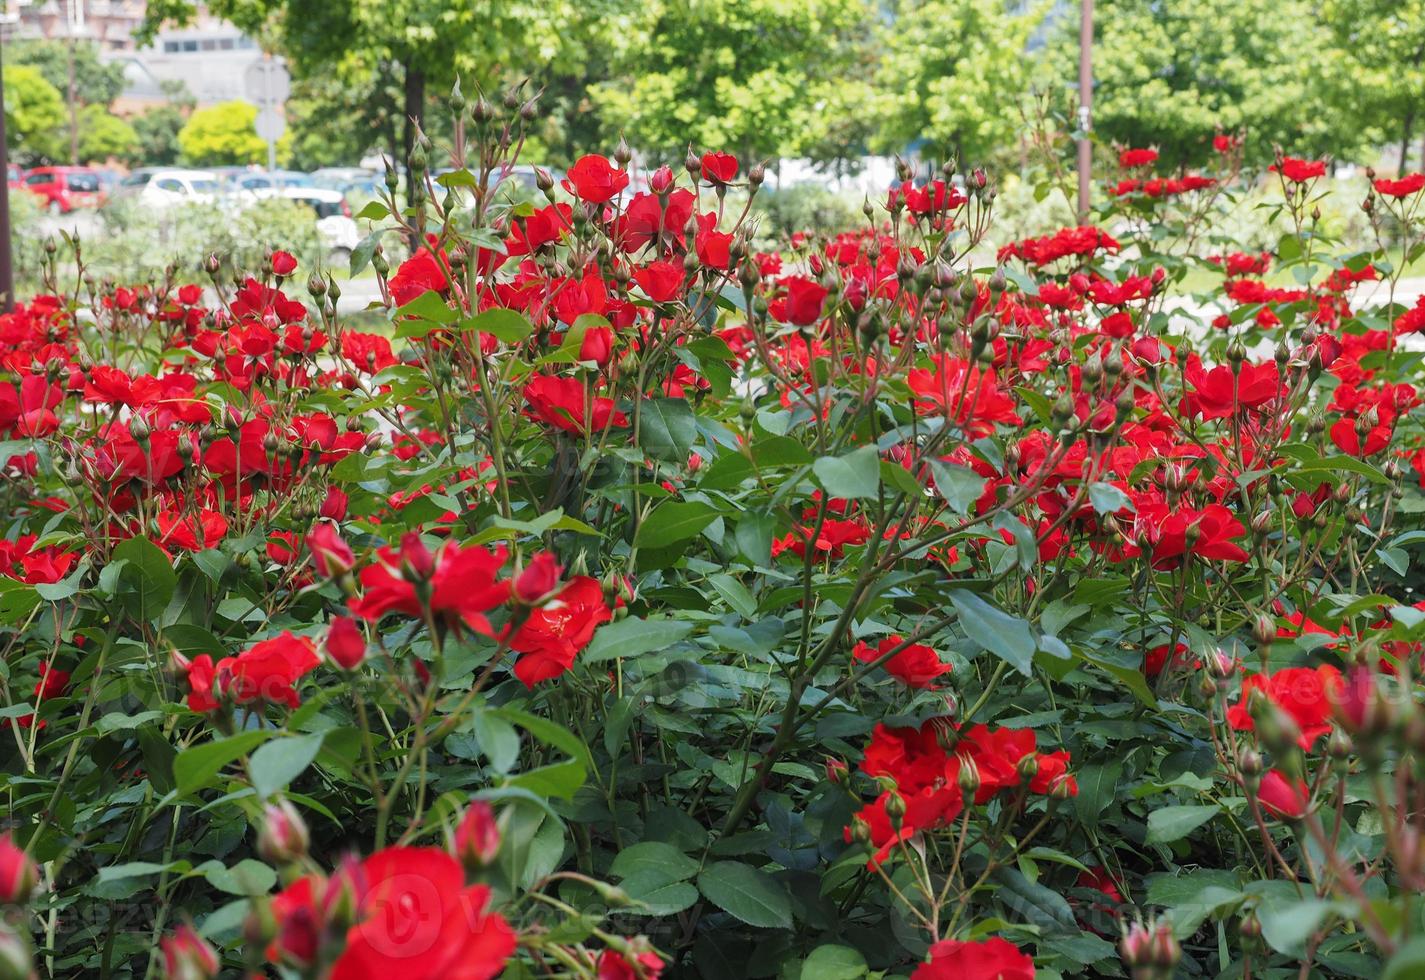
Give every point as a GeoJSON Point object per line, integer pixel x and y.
{"type": "Point", "coordinates": [62, 189]}
{"type": "Point", "coordinates": [160, 187]}
{"type": "Point", "coordinates": [348, 180]}
{"type": "Point", "coordinates": [339, 234]}
{"type": "Point", "coordinates": [268, 183]}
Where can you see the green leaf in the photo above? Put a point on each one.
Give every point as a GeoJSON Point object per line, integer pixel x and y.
{"type": "Point", "coordinates": [750, 895]}
{"type": "Point", "coordinates": [154, 570]}
{"type": "Point", "coordinates": [361, 254]}
{"type": "Point", "coordinates": [667, 429]}
{"type": "Point", "coordinates": [673, 521]}
{"type": "Point", "coordinates": [197, 766]}
{"type": "Point", "coordinates": [958, 486]}
{"type": "Point", "coordinates": [509, 326]}
{"type": "Point", "coordinates": [1287, 927]}
{"type": "Point", "coordinates": [661, 896]}
{"type": "Point", "coordinates": [282, 760]}
{"type": "Point", "coordinates": [1042, 906]}
{"type": "Point", "coordinates": [1408, 963]}
{"type": "Point", "coordinates": [429, 305]}
{"type": "Point", "coordinates": [632, 637]}
{"type": "Point", "coordinates": [247, 877]}
{"type": "Point", "coordinates": [998, 632]}
{"type": "Point", "coordinates": [373, 211]}
{"type": "Point", "coordinates": [856, 475]}
{"type": "Point", "coordinates": [654, 856]}
{"type": "Point", "coordinates": [1170, 823]}
{"type": "Point", "coordinates": [1108, 499]}
{"type": "Point", "coordinates": [831, 962]}
{"type": "Point", "coordinates": [1097, 783]}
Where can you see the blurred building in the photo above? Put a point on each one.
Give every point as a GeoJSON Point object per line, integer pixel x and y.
{"type": "Point", "coordinates": [208, 56]}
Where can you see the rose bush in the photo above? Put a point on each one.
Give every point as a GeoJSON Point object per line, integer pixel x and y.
{"type": "Point", "coordinates": [907, 603]}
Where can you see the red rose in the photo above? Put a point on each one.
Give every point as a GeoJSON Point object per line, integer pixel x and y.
{"type": "Point", "coordinates": [332, 555]}
{"type": "Point", "coordinates": [594, 179]}
{"type": "Point", "coordinates": [719, 168]}
{"type": "Point", "coordinates": [283, 263]}
{"type": "Point", "coordinates": [52, 683]}
{"type": "Point", "coordinates": [265, 671]}
{"type": "Point", "coordinates": [415, 919]}
{"type": "Point", "coordinates": [915, 666]}
{"type": "Point", "coordinates": [18, 873]}
{"type": "Point", "coordinates": [659, 279]}
{"type": "Point", "coordinates": [1299, 171]}
{"type": "Point", "coordinates": [1118, 325]}
{"type": "Point", "coordinates": [1404, 187]}
{"type": "Point", "coordinates": [989, 959]}
{"type": "Point", "coordinates": [1283, 797]}
{"type": "Point", "coordinates": [417, 276]}
{"type": "Point", "coordinates": [1137, 158]}
{"type": "Point", "coordinates": [597, 345]}
{"type": "Point", "coordinates": [462, 586]}
{"type": "Point", "coordinates": [803, 301]}
{"type": "Point", "coordinates": [560, 402]}
{"type": "Point", "coordinates": [554, 633]}
{"type": "Point", "coordinates": [187, 954]}
{"type": "Point", "coordinates": [1303, 693]}
{"type": "Point", "coordinates": [477, 839]}
{"type": "Point", "coordinates": [614, 965]}
{"type": "Point", "coordinates": [539, 578]}
{"type": "Point", "coordinates": [345, 644]}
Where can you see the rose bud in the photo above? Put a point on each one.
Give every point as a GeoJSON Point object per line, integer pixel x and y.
{"type": "Point", "coordinates": [344, 894]}
{"type": "Point", "coordinates": [661, 180]}
{"type": "Point", "coordinates": [345, 645]}
{"type": "Point", "coordinates": [334, 506]}
{"type": "Point", "coordinates": [283, 837]}
{"type": "Point", "coordinates": [332, 555]}
{"type": "Point", "coordinates": [283, 263]}
{"type": "Point", "coordinates": [836, 770]}
{"type": "Point", "coordinates": [187, 956]}
{"type": "Point", "coordinates": [18, 874]}
{"type": "Point", "coordinates": [538, 579]}
{"type": "Point", "coordinates": [1358, 705]}
{"type": "Point", "coordinates": [417, 562]}
{"type": "Point", "coordinates": [477, 839]}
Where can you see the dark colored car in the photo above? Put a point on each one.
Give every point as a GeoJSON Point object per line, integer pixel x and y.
{"type": "Point", "coordinates": [63, 189]}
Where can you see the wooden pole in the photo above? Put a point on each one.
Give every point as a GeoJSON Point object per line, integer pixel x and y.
{"type": "Point", "coordinates": [1085, 105]}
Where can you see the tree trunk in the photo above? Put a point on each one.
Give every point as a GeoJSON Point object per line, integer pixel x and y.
{"type": "Point", "coordinates": [414, 111]}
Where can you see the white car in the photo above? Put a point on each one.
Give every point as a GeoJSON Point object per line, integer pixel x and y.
{"type": "Point", "coordinates": [338, 232]}
{"type": "Point", "coordinates": [163, 188]}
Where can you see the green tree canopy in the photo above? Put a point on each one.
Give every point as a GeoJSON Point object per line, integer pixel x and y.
{"type": "Point", "coordinates": [1381, 45]}
{"type": "Point", "coordinates": [1171, 73]}
{"type": "Point", "coordinates": [223, 134]}
{"type": "Point", "coordinates": [103, 135]}
{"type": "Point", "coordinates": [952, 76]}
{"type": "Point", "coordinates": [762, 78]}
{"type": "Point", "coordinates": [96, 82]}
{"type": "Point", "coordinates": [34, 113]}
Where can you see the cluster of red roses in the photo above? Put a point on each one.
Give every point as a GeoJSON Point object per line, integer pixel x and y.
{"type": "Point", "coordinates": [938, 769]}
{"type": "Point", "coordinates": [552, 620]}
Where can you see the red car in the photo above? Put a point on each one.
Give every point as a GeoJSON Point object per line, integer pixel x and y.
{"type": "Point", "coordinates": [65, 188]}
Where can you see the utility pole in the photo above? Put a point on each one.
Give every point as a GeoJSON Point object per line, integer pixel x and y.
{"type": "Point", "coordinates": [7, 274]}
{"type": "Point", "coordinates": [1085, 105]}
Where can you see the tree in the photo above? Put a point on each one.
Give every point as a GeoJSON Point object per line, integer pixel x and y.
{"type": "Point", "coordinates": [767, 78]}
{"type": "Point", "coordinates": [157, 129]}
{"type": "Point", "coordinates": [1382, 43]}
{"type": "Point", "coordinates": [423, 44]}
{"type": "Point", "coordinates": [103, 135]}
{"type": "Point", "coordinates": [1171, 73]}
{"type": "Point", "coordinates": [223, 134]}
{"type": "Point", "coordinates": [952, 75]}
{"type": "Point", "coordinates": [96, 82]}
{"type": "Point", "coordinates": [34, 113]}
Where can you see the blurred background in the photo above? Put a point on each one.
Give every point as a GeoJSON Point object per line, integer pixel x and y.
{"type": "Point", "coordinates": [163, 130]}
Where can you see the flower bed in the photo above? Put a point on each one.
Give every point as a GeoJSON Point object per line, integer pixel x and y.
{"type": "Point", "coordinates": [910, 603]}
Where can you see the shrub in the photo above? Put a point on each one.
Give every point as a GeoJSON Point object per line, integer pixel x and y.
{"type": "Point", "coordinates": [635, 598]}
